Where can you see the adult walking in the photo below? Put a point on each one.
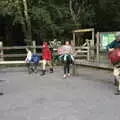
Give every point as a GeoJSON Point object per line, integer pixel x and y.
{"type": "Point", "coordinates": [114, 55]}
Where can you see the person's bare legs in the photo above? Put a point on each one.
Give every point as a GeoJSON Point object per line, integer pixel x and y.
{"type": "Point", "coordinates": [51, 66]}
{"type": "Point", "coordinates": [117, 77]}
{"type": "Point", "coordinates": [43, 67]}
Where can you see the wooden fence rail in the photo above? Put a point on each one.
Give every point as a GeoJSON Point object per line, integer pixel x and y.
{"type": "Point", "coordinates": [19, 47]}
{"type": "Point", "coordinates": [16, 55]}
{"type": "Point", "coordinates": [10, 54]}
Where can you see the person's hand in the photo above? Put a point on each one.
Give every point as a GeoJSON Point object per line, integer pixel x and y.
{"type": "Point", "coordinates": [26, 60]}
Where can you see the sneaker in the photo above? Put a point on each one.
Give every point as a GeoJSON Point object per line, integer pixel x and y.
{"type": "Point", "coordinates": [69, 75]}
{"type": "Point", "coordinates": [51, 70]}
{"type": "Point", "coordinates": [35, 70]}
{"type": "Point", "coordinates": [43, 72]}
{"type": "Point", "coordinates": [118, 92]}
{"type": "Point", "coordinates": [65, 76]}
{"type": "Point", "coordinates": [1, 93]}
{"type": "Point", "coordinates": [116, 82]}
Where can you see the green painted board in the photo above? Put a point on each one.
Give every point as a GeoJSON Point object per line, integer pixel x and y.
{"type": "Point", "coordinates": [106, 38]}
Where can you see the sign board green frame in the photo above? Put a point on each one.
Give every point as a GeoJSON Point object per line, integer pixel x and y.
{"type": "Point", "coordinates": [106, 38]}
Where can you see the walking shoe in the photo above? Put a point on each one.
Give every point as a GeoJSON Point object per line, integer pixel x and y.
{"type": "Point", "coordinates": [69, 75]}
{"type": "Point", "coordinates": [118, 92]}
{"type": "Point", "coordinates": [43, 72]}
{"type": "Point", "coordinates": [116, 82]}
{"type": "Point", "coordinates": [65, 76]}
{"type": "Point", "coordinates": [1, 93]}
{"type": "Point", "coordinates": [35, 70]}
{"type": "Point", "coordinates": [32, 69]}
{"type": "Point", "coordinates": [29, 71]}
{"type": "Point", "coordinates": [51, 70]}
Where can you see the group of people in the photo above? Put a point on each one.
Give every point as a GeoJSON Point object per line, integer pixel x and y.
{"type": "Point", "coordinates": [64, 55]}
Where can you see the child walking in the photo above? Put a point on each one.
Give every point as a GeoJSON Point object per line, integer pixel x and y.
{"type": "Point", "coordinates": [67, 58]}
{"type": "Point", "coordinates": [46, 58]}
{"type": "Point", "coordinates": [28, 59]}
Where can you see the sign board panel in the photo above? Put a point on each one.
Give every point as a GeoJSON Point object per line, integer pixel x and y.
{"type": "Point", "coordinates": [106, 38]}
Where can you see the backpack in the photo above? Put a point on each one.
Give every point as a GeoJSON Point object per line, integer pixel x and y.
{"type": "Point", "coordinates": [114, 56]}
{"type": "Point", "coordinates": [35, 58]}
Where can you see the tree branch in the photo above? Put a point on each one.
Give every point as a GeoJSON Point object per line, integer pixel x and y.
{"type": "Point", "coordinates": [72, 12]}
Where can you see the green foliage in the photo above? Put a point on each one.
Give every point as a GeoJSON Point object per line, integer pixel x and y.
{"type": "Point", "coordinates": [12, 8]}
{"type": "Point", "coordinates": [82, 12]}
{"type": "Point", "coordinates": [107, 15]}
{"type": "Point", "coordinates": [57, 18]}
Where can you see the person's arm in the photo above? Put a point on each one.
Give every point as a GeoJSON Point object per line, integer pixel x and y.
{"type": "Point", "coordinates": [29, 56]}
{"type": "Point", "coordinates": [59, 51]}
{"type": "Point", "coordinates": [26, 58]}
{"type": "Point", "coordinates": [71, 50]}
{"type": "Point", "coordinates": [63, 49]}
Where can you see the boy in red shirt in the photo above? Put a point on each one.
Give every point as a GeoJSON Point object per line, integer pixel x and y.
{"type": "Point", "coordinates": [47, 58]}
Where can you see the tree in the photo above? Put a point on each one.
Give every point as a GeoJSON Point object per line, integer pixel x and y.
{"type": "Point", "coordinates": [82, 12]}
{"type": "Point", "coordinates": [107, 15]}
{"type": "Point", "coordinates": [28, 23]}
{"type": "Point", "coordinates": [17, 9]}
{"type": "Point", "coordinates": [48, 19]}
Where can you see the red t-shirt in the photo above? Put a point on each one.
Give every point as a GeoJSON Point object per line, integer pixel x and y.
{"type": "Point", "coordinates": [46, 53]}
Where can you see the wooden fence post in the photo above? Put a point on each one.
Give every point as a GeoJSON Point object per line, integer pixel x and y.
{"type": "Point", "coordinates": [1, 51]}
{"type": "Point", "coordinates": [34, 46]}
{"type": "Point", "coordinates": [88, 53]}
{"type": "Point", "coordinates": [74, 65]}
{"type": "Point", "coordinates": [74, 69]}
{"type": "Point", "coordinates": [98, 45]}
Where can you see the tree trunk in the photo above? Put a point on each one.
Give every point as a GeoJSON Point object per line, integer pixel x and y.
{"type": "Point", "coordinates": [72, 12]}
{"type": "Point", "coordinates": [23, 24]}
{"type": "Point", "coordinates": [28, 23]}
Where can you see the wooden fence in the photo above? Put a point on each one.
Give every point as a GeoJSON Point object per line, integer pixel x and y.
{"type": "Point", "coordinates": [15, 55]}
{"type": "Point", "coordinates": [5, 57]}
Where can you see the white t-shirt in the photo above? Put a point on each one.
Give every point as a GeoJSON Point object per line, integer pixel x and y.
{"type": "Point", "coordinates": [67, 49]}
{"type": "Point", "coordinates": [29, 56]}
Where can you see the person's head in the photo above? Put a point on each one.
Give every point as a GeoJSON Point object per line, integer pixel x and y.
{"type": "Point", "coordinates": [118, 36]}
{"type": "Point", "coordinates": [45, 44]}
{"type": "Point", "coordinates": [67, 42]}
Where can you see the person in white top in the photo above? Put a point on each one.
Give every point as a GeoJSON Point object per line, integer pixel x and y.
{"type": "Point", "coordinates": [29, 56]}
{"type": "Point", "coordinates": [67, 50]}
{"type": "Point", "coordinates": [67, 58]}
{"type": "Point", "coordinates": [28, 60]}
